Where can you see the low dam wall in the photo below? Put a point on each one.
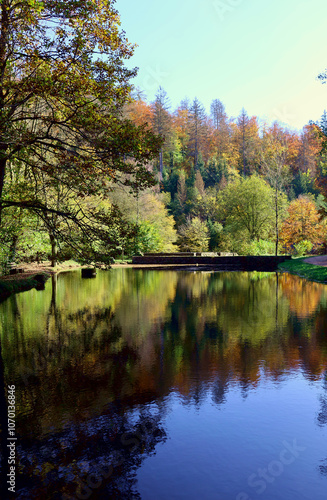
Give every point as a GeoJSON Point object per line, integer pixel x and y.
{"type": "Point", "coordinates": [224, 263]}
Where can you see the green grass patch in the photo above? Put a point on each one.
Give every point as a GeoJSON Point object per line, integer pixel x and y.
{"type": "Point", "coordinates": [309, 271]}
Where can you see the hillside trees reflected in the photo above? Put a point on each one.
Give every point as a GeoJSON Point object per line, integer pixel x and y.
{"type": "Point", "coordinates": [130, 333]}
{"type": "Point", "coordinates": [129, 338]}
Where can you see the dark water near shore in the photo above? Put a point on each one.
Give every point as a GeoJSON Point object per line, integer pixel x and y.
{"type": "Point", "coordinates": [169, 385]}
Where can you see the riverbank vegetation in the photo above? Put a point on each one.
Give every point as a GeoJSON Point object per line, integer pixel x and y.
{"type": "Point", "coordinates": [10, 286]}
{"type": "Point", "coordinates": [90, 170]}
{"type": "Point", "coordinates": [305, 270]}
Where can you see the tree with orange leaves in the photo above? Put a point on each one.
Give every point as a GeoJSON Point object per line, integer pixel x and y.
{"type": "Point", "coordinates": [303, 223]}
{"type": "Point", "coordinates": [139, 112]}
{"type": "Point", "coordinates": [246, 140]}
{"type": "Point", "coordinates": [310, 146]}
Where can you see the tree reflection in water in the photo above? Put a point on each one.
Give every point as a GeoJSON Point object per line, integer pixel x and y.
{"type": "Point", "coordinates": [93, 362]}
{"type": "Point", "coordinates": [96, 457]}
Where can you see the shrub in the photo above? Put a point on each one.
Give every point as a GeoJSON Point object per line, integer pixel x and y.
{"type": "Point", "coordinates": [261, 247]}
{"type": "Point", "coordinates": [302, 248]}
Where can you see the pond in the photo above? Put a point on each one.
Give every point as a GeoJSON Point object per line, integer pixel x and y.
{"type": "Point", "coordinates": [169, 385]}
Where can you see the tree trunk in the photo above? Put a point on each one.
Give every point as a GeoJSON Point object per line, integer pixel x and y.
{"type": "Point", "coordinates": [2, 180]}
{"type": "Point", "coordinates": [277, 231]}
{"type": "Point", "coordinates": [4, 429]}
{"type": "Point", "coordinates": [12, 250]}
{"type": "Point", "coordinates": [4, 41]}
{"type": "Point", "coordinates": [244, 161]}
{"type": "Point", "coordinates": [161, 163]}
{"type": "Point", "coordinates": [243, 148]}
{"type": "Point", "coordinates": [53, 242]}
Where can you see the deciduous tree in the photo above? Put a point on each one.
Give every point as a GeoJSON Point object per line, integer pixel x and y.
{"type": "Point", "coordinates": [247, 141]}
{"type": "Point", "coordinates": [247, 205]}
{"type": "Point", "coordinates": [63, 84]}
{"type": "Point", "coordinates": [161, 122]}
{"type": "Point", "coordinates": [193, 236]}
{"type": "Point", "coordinates": [303, 223]}
{"type": "Point", "coordinates": [221, 133]}
{"type": "Point", "coordinates": [276, 171]}
{"type": "Point", "coordinates": [197, 119]}
{"type": "Point", "coordinates": [62, 87]}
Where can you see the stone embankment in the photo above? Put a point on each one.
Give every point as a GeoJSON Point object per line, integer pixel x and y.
{"type": "Point", "coordinates": [211, 261]}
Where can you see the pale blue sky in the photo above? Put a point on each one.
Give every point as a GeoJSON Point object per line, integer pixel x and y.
{"type": "Point", "coordinates": [264, 55]}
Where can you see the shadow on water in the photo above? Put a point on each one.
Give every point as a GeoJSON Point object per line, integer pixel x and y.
{"type": "Point", "coordinates": [94, 361]}
{"type": "Point", "coordinates": [67, 366]}
{"type": "Point", "coordinates": [96, 458]}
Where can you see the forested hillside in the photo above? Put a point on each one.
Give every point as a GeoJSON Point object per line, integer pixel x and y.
{"type": "Point", "coordinates": [237, 184]}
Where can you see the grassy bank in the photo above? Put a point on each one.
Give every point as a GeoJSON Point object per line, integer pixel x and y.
{"type": "Point", "coordinates": [8, 287]}
{"type": "Point", "coordinates": [33, 276]}
{"type": "Point", "coordinates": [311, 272]}
{"type": "Point", "coordinates": [36, 274]}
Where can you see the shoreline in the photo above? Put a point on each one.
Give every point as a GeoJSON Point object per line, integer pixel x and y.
{"type": "Point", "coordinates": [35, 275]}
{"type": "Point", "coordinates": [310, 268]}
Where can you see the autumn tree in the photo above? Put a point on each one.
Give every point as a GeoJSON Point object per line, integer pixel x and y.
{"type": "Point", "coordinates": [139, 112]}
{"type": "Point", "coordinates": [276, 171]}
{"type": "Point", "coordinates": [302, 224]}
{"type": "Point", "coordinates": [63, 84]}
{"type": "Point", "coordinates": [221, 129]}
{"type": "Point", "coordinates": [149, 217]}
{"type": "Point", "coordinates": [199, 184]}
{"type": "Point", "coordinates": [247, 205]}
{"type": "Point", "coordinates": [180, 123]}
{"type": "Point", "coordinates": [246, 138]}
{"type": "Point", "coordinates": [310, 145]}
{"type": "Point", "coordinates": [197, 118]}
{"type": "Point", "coordinates": [320, 180]}
{"type": "Point", "coordinates": [161, 121]}
{"type": "Point", "coordinates": [193, 236]}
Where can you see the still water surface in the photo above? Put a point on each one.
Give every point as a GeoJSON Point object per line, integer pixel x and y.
{"type": "Point", "coordinates": [169, 385]}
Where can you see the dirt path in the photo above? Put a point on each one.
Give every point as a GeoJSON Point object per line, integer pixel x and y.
{"type": "Point", "coordinates": [317, 261]}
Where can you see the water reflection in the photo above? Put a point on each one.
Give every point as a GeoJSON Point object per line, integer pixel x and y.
{"type": "Point", "coordinates": [85, 355]}
{"type": "Point", "coordinates": [95, 457]}
{"type": "Point", "coordinates": [322, 421]}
